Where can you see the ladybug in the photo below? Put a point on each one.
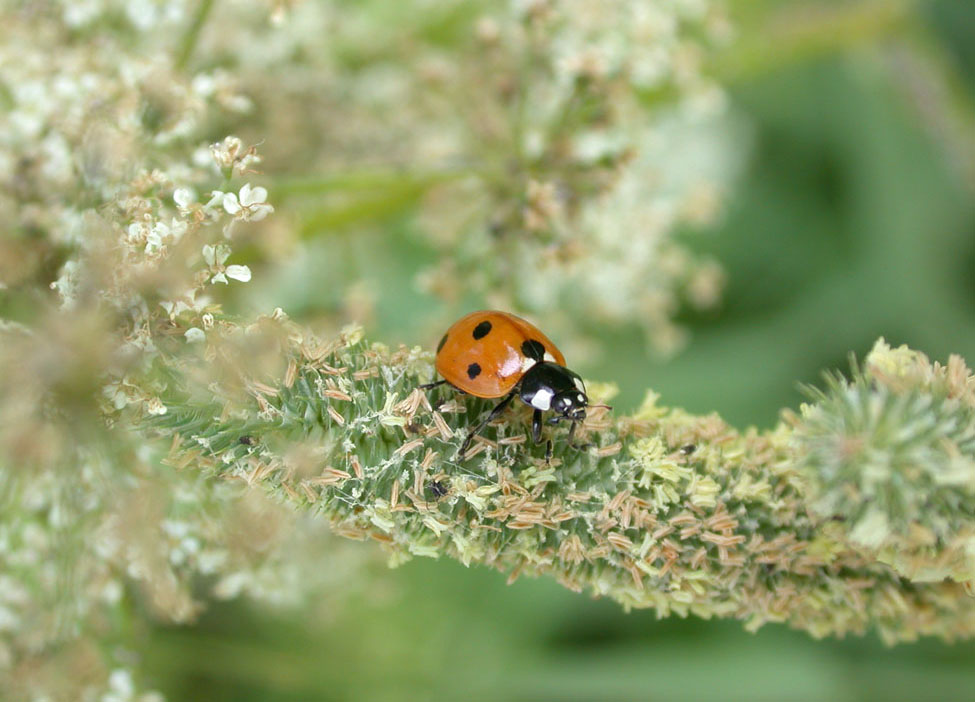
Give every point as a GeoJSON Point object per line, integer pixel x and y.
{"type": "Point", "coordinates": [494, 354]}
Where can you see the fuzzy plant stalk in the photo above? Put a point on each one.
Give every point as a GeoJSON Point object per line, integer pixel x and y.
{"type": "Point", "coordinates": [856, 513]}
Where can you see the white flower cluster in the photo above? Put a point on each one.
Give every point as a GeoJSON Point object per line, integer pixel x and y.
{"type": "Point", "coordinates": [143, 254]}
{"type": "Point", "coordinates": [618, 138]}
{"type": "Point", "coordinates": [141, 15]}
{"type": "Point", "coordinates": [590, 131]}
{"type": "Point", "coordinates": [54, 578]}
{"type": "Point", "coordinates": [122, 688]}
{"type": "Point", "coordinates": [148, 246]}
{"type": "Point", "coordinates": [647, 41]}
{"type": "Point", "coordinates": [626, 265]}
{"type": "Point", "coordinates": [67, 560]}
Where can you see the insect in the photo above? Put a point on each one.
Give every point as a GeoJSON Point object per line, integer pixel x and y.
{"type": "Point", "coordinates": [498, 355]}
{"type": "Point", "coordinates": [438, 489]}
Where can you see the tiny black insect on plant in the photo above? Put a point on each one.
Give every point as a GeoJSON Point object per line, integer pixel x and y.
{"type": "Point", "coordinates": [437, 489]}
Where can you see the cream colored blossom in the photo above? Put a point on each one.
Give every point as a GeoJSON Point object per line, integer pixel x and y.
{"type": "Point", "coordinates": [250, 206]}
{"type": "Point", "coordinates": [232, 158]}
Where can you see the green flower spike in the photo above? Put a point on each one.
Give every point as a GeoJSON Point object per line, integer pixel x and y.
{"type": "Point", "coordinates": [858, 513]}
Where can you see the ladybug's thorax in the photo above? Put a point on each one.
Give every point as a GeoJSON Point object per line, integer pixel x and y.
{"type": "Point", "coordinates": [549, 386]}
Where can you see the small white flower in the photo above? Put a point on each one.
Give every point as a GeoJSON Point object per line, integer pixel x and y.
{"type": "Point", "coordinates": [111, 592]}
{"type": "Point", "coordinates": [120, 682]}
{"type": "Point", "coordinates": [154, 406]}
{"type": "Point", "coordinates": [116, 395]}
{"type": "Point", "coordinates": [156, 237]}
{"type": "Point", "coordinates": [230, 203]}
{"type": "Point", "coordinates": [184, 197]}
{"type": "Point", "coordinates": [68, 283]}
{"type": "Point", "coordinates": [211, 561]}
{"type": "Point", "coordinates": [252, 196]}
{"type": "Point", "coordinates": [227, 152]}
{"type": "Point", "coordinates": [137, 232]}
{"type": "Point", "coordinates": [81, 13]}
{"type": "Point", "coordinates": [178, 228]}
{"type": "Point", "coordinates": [204, 84]}
{"type": "Point", "coordinates": [177, 307]}
{"type": "Point", "coordinates": [215, 255]}
{"type": "Point", "coordinates": [250, 206]}
{"type": "Point", "coordinates": [241, 273]}
{"type": "Point", "coordinates": [215, 203]}
{"type": "Point", "coordinates": [231, 585]}
{"type": "Point", "coordinates": [195, 335]}
{"type": "Point", "coordinates": [231, 156]}
{"type": "Point", "coordinates": [202, 157]}
{"type": "Point", "coordinates": [142, 14]}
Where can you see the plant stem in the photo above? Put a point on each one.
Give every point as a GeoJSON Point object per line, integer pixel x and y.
{"type": "Point", "coordinates": [192, 35]}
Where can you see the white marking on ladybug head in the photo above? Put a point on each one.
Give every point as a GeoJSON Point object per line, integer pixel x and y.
{"type": "Point", "coordinates": [580, 398]}
{"type": "Point", "coordinates": [579, 386]}
{"type": "Point", "coordinates": [542, 399]}
{"type": "Point", "coordinates": [549, 357]}
{"type": "Point", "coordinates": [526, 363]}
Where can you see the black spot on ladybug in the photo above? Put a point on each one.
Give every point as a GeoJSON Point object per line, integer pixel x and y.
{"type": "Point", "coordinates": [533, 349]}
{"type": "Point", "coordinates": [473, 371]}
{"type": "Point", "coordinates": [442, 342]}
{"type": "Point", "coordinates": [482, 329]}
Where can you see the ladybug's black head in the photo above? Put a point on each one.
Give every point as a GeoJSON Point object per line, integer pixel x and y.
{"type": "Point", "coordinates": [571, 404]}
{"type": "Point", "coordinates": [549, 386]}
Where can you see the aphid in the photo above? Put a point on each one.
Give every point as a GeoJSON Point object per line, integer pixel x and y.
{"type": "Point", "coordinates": [498, 355]}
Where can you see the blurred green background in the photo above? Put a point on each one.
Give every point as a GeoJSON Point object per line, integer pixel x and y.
{"type": "Point", "coordinates": [853, 219]}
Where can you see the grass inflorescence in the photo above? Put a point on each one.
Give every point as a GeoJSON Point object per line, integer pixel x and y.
{"type": "Point", "coordinates": [663, 509]}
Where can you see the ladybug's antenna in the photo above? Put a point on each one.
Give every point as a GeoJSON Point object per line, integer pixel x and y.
{"type": "Point", "coordinates": [609, 407]}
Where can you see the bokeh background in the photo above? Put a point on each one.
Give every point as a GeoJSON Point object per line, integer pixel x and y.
{"type": "Point", "coordinates": [808, 169]}
{"type": "Point", "coordinates": [851, 216]}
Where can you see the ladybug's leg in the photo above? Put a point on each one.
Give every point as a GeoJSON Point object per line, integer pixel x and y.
{"type": "Point", "coordinates": [498, 409]}
{"type": "Point", "coordinates": [572, 433]}
{"type": "Point", "coordinates": [537, 434]}
{"type": "Point", "coordinates": [537, 426]}
{"type": "Point", "coordinates": [434, 384]}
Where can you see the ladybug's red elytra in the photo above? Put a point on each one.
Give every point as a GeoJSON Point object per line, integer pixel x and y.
{"type": "Point", "coordinates": [496, 354]}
